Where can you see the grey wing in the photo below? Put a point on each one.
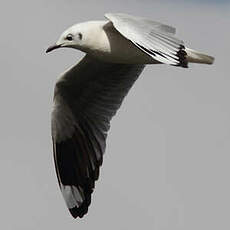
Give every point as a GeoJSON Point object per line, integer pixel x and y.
{"type": "Point", "coordinates": [153, 38]}
{"type": "Point", "coordinates": [86, 98]}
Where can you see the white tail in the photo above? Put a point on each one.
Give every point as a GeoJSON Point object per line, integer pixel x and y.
{"type": "Point", "coordinates": [197, 57]}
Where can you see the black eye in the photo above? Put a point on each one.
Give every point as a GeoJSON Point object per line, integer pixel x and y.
{"type": "Point", "coordinates": [69, 37]}
{"type": "Point", "coordinates": [80, 35]}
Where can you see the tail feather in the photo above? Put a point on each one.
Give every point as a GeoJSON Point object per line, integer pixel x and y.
{"type": "Point", "coordinates": [194, 56]}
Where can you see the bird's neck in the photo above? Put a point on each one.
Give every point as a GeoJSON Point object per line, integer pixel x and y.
{"type": "Point", "coordinates": [96, 42]}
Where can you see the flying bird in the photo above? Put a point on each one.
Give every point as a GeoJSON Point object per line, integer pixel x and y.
{"type": "Point", "coordinates": [89, 94]}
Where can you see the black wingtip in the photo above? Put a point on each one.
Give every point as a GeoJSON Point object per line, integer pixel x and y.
{"type": "Point", "coordinates": [182, 55]}
{"type": "Point", "coordinates": [83, 209]}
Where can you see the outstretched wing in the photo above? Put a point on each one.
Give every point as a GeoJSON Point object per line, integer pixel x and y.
{"type": "Point", "coordinates": [153, 38]}
{"type": "Point", "coordinates": [86, 98]}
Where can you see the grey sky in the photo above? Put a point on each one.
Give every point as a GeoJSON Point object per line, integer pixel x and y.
{"type": "Point", "coordinates": [167, 161]}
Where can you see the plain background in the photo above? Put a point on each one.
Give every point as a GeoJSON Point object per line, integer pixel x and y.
{"type": "Point", "coordinates": [166, 165]}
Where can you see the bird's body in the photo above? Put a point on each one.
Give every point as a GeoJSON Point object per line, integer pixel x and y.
{"type": "Point", "coordinates": [88, 95]}
{"type": "Point", "coordinates": [110, 45]}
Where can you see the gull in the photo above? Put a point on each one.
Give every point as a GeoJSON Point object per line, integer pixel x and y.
{"type": "Point", "coordinates": [89, 94]}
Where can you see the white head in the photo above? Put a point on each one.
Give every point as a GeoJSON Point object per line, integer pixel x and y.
{"type": "Point", "coordinates": [77, 37]}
